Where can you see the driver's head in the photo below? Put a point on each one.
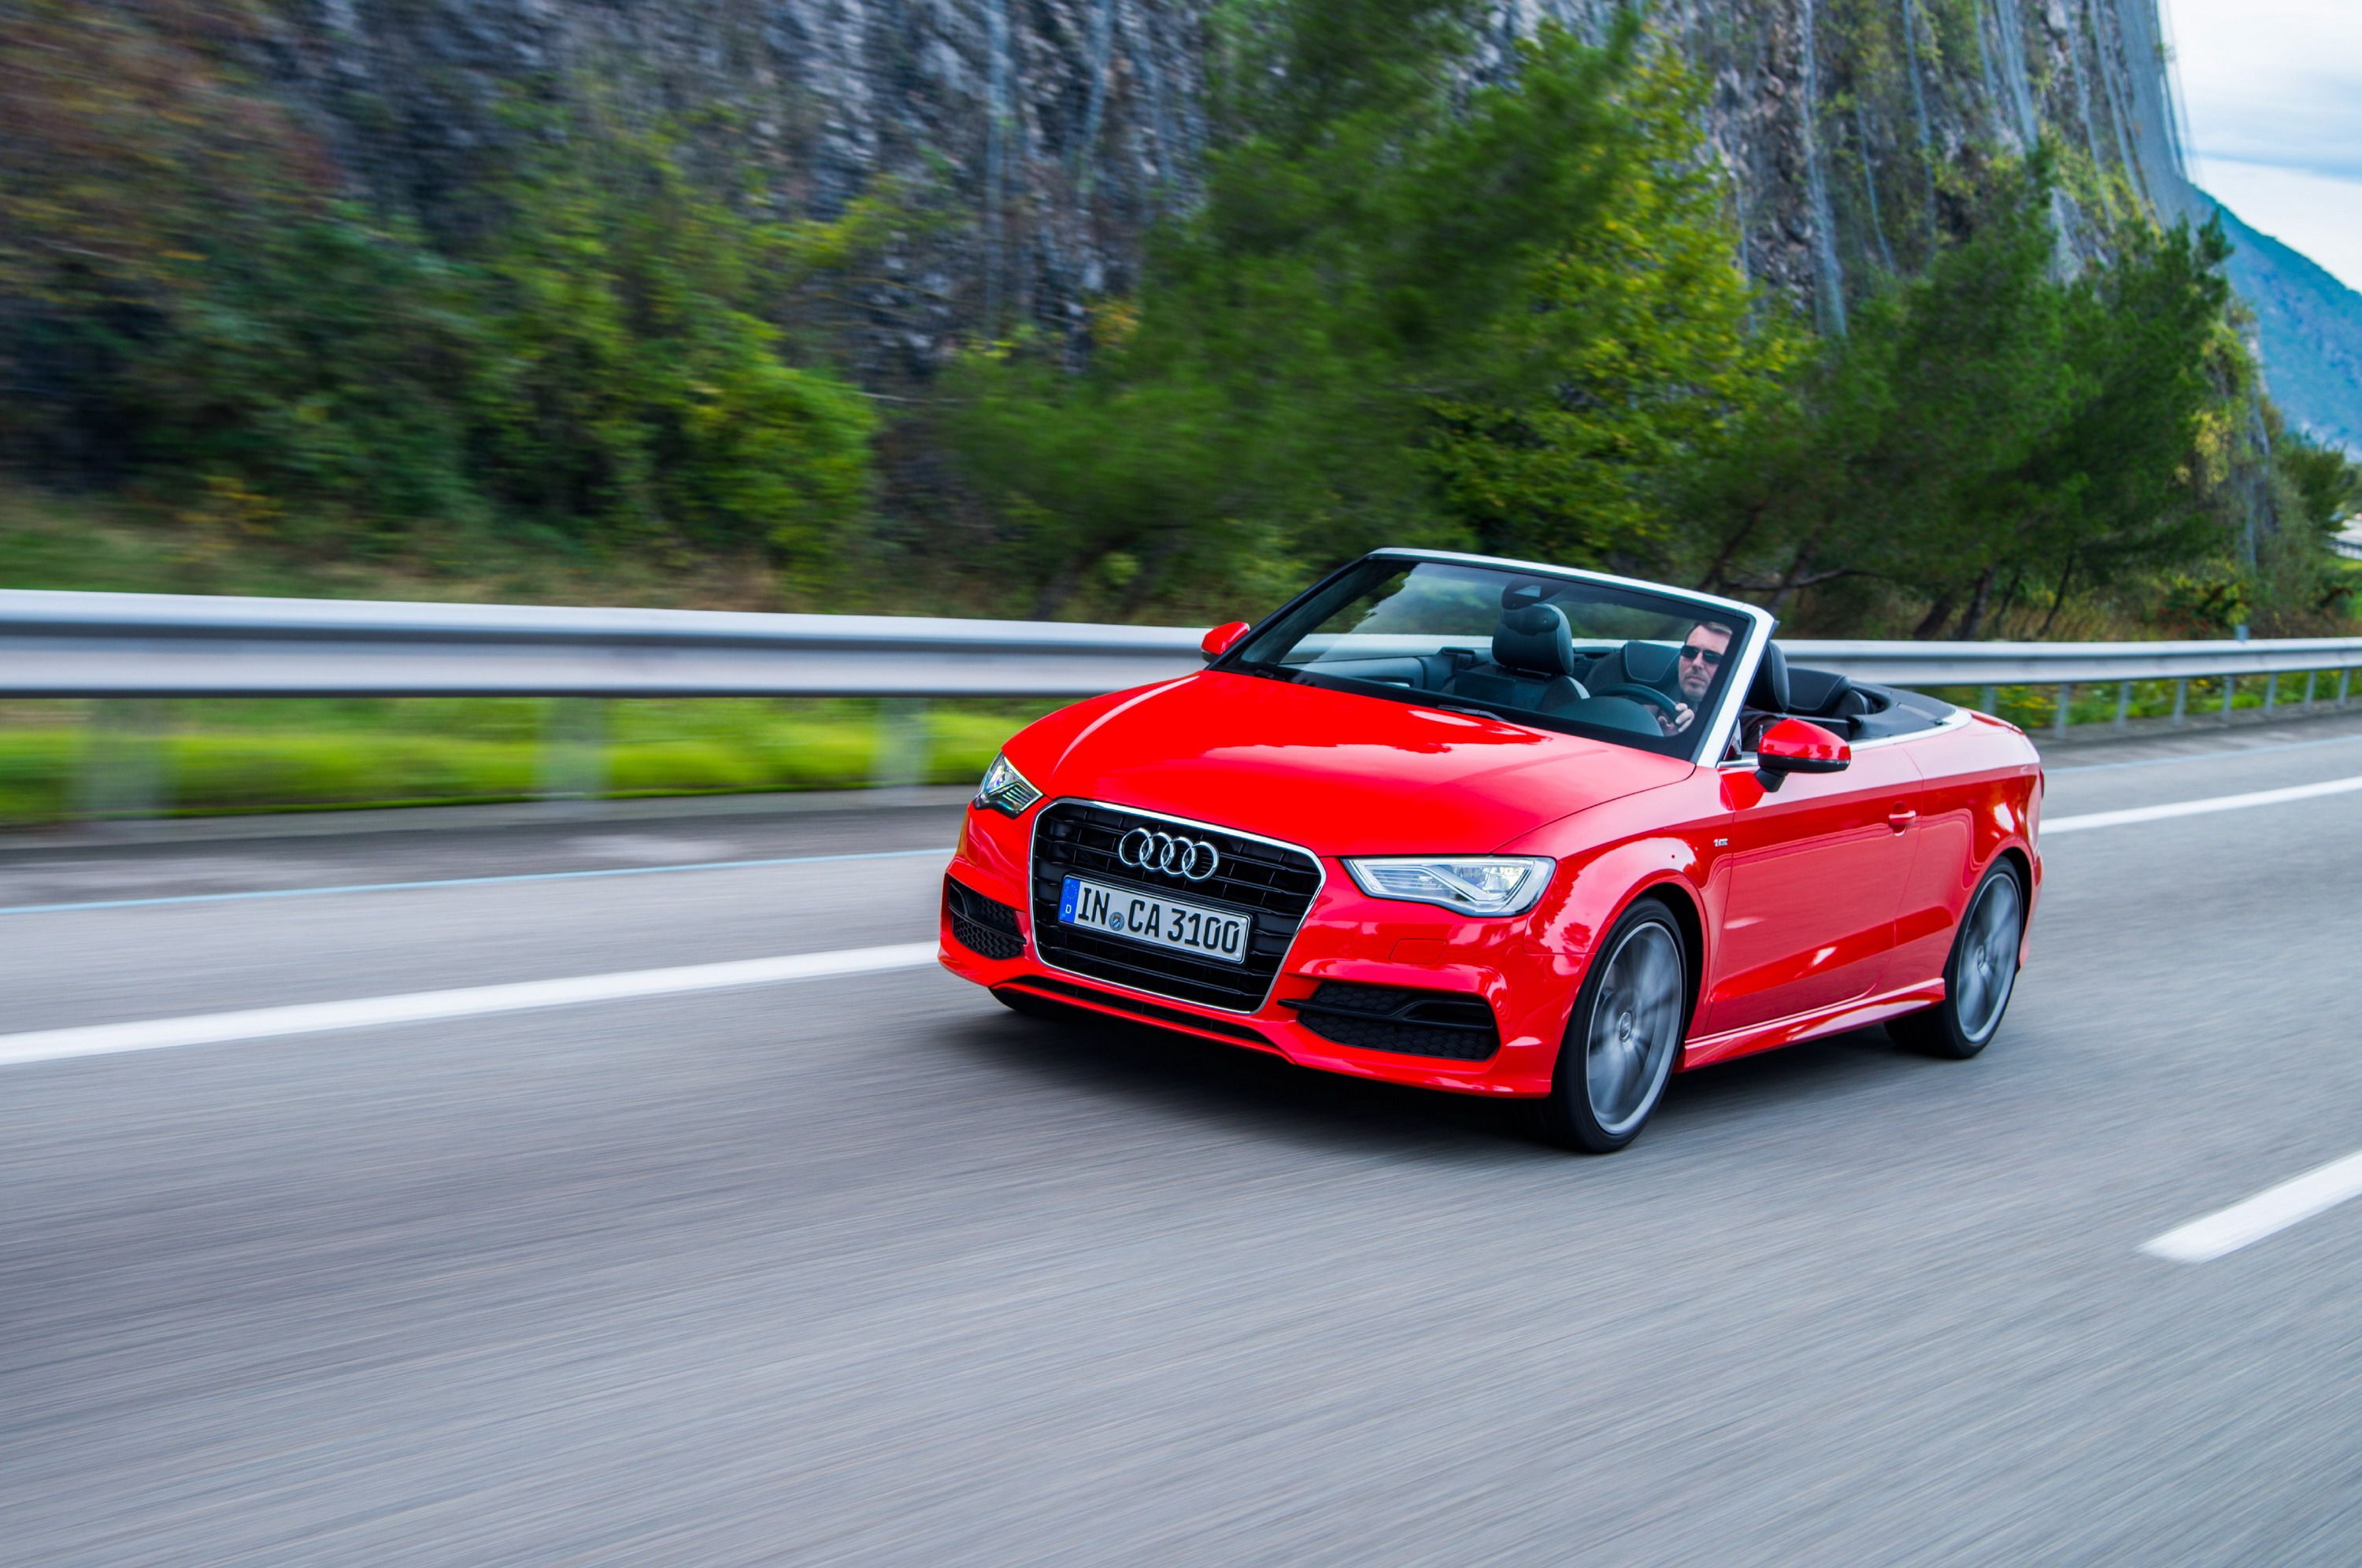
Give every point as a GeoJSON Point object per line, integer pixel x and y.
{"type": "Point", "coordinates": [1700, 659]}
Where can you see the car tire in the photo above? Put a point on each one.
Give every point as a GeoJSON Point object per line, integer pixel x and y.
{"type": "Point", "coordinates": [1623, 1037]}
{"type": "Point", "coordinates": [1979, 973]}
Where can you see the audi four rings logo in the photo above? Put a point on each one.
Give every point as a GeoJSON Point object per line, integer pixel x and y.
{"type": "Point", "coordinates": [1192, 859]}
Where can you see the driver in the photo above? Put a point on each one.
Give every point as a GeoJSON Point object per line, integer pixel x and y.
{"type": "Point", "coordinates": [1701, 661]}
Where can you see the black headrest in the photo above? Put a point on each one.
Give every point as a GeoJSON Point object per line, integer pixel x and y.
{"type": "Point", "coordinates": [1817, 691]}
{"type": "Point", "coordinates": [1768, 692]}
{"type": "Point", "coordinates": [1536, 638]}
{"type": "Point", "coordinates": [1638, 664]}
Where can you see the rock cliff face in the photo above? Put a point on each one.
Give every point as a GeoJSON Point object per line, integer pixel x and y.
{"type": "Point", "coordinates": [1056, 130]}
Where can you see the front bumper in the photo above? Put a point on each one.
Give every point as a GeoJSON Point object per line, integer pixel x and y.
{"type": "Point", "coordinates": [1347, 939]}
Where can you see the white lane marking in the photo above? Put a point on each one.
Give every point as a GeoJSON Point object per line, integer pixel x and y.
{"type": "Point", "coordinates": [471, 1001]}
{"type": "Point", "coordinates": [2274, 1209]}
{"type": "Point", "coordinates": [2200, 808]}
{"type": "Point", "coordinates": [461, 882]}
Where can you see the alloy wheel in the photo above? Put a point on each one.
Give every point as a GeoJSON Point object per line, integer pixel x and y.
{"type": "Point", "coordinates": [1636, 1027]}
{"type": "Point", "coordinates": [1988, 964]}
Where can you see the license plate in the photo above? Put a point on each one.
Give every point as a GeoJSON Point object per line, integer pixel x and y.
{"type": "Point", "coordinates": [1153, 919]}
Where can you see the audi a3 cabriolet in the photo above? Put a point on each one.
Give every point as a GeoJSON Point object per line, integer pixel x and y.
{"type": "Point", "coordinates": [1506, 829]}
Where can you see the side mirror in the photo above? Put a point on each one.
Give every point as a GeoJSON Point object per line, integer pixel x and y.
{"type": "Point", "coordinates": [1792, 745]}
{"type": "Point", "coordinates": [1218, 641]}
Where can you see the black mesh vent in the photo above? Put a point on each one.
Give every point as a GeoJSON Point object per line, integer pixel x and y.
{"type": "Point", "coordinates": [981, 924]}
{"type": "Point", "coordinates": [1270, 884]}
{"type": "Point", "coordinates": [1402, 1022]}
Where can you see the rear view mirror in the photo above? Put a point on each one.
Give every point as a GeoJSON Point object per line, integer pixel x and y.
{"type": "Point", "coordinates": [1218, 641]}
{"type": "Point", "coordinates": [1792, 745]}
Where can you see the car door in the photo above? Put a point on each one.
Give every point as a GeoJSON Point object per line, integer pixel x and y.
{"type": "Point", "coordinates": [1816, 871]}
{"type": "Point", "coordinates": [1944, 870]}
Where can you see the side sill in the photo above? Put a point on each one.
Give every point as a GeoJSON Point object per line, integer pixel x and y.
{"type": "Point", "coordinates": [1707, 1050]}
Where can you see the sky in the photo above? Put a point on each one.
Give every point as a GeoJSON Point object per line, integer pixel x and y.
{"type": "Point", "coordinates": [2273, 89]}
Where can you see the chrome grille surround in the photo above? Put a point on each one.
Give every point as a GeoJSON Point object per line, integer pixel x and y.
{"type": "Point", "coordinates": [1274, 883]}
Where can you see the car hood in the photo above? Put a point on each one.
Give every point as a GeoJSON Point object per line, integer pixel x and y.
{"type": "Point", "coordinates": [1336, 771]}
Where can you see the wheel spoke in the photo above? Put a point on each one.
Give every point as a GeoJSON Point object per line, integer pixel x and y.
{"type": "Point", "coordinates": [1987, 966]}
{"type": "Point", "coordinates": [1972, 994]}
{"type": "Point", "coordinates": [1635, 1026]}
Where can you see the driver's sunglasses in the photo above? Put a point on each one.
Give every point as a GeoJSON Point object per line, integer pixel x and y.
{"type": "Point", "coordinates": [1713, 657]}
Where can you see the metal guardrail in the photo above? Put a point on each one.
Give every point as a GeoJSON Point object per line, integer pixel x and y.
{"type": "Point", "coordinates": [137, 644]}
{"type": "Point", "coordinates": [140, 647]}
{"type": "Point", "coordinates": [132, 644]}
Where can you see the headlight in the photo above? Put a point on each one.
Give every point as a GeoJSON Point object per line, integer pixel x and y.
{"type": "Point", "coordinates": [1473, 884]}
{"type": "Point", "coordinates": [1005, 790]}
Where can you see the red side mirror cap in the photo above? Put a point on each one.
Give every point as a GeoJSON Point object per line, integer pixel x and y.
{"type": "Point", "coordinates": [1218, 641]}
{"type": "Point", "coordinates": [1793, 746]}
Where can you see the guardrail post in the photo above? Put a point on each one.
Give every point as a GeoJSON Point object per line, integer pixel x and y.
{"type": "Point", "coordinates": [2271, 693]}
{"type": "Point", "coordinates": [573, 765]}
{"type": "Point", "coordinates": [122, 774]}
{"type": "Point", "coordinates": [2344, 676]}
{"type": "Point", "coordinates": [2230, 690]}
{"type": "Point", "coordinates": [2181, 701]}
{"type": "Point", "coordinates": [900, 764]}
{"type": "Point", "coordinates": [1990, 698]}
{"type": "Point", "coordinates": [2309, 676]}
{"type": "Point", "coordinates": [2066, 702]}
{"type": "Point", "coordinates": [2124, 703]}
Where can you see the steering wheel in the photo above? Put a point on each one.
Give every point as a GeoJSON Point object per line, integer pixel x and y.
{"type": "Point", "coordinates": [1646, 694]}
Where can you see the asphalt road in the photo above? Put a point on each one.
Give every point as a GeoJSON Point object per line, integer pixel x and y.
{"type": "Point", "coordinates": [869, 1270]}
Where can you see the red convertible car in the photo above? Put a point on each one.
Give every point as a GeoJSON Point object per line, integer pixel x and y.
{"type": "Point", "coordinates": [1506, 829]}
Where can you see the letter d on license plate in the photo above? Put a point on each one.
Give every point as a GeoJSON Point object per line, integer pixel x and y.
{"type": "Point", "coordinates": [1154, 920]}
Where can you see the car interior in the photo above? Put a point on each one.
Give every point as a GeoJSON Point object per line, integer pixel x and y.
{"type": "Point", "coordinates": [1534, 663]}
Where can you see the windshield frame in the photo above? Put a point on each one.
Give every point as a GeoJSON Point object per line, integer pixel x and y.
{"type": "Point", "coordinates": [1711, 740]}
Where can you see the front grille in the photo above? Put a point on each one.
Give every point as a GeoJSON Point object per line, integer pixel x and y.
{"type": "Point", "coordinates": [981, 924]}
{"type": "Point", "coordinates": [1270, 883]}
{"type": "Point", "coordinates": [1400, 1021]}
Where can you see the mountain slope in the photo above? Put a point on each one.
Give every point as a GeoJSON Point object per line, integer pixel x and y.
{"type": "Point", "coordinates": [2311, 327]}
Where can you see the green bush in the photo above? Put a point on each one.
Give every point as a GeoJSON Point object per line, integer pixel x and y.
{"type": "Point", "coordinates": [634, 388]}
{"type": "Point", "coordinates": [608, 359]}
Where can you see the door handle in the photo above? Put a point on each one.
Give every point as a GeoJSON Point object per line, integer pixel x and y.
{"type": "Point", "coordinates": [1901, 817]}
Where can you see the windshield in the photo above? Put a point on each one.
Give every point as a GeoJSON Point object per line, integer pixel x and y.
{"type": "Point", "coordinates": [1638, 668]}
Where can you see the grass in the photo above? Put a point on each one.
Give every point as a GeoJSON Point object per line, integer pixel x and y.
{"type": "Point", "coordinates": [2035, 708]}
{"type": "Point", "coordinates": [60, 759]}
{"type": "Point", "coordinates": [96, 545]}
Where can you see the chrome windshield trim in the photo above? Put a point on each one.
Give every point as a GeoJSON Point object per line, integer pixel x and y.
{"type": "Point", "coordinates": [1583, 574]}
{"type": "Point", "coordinates": [1032, 838]}
{"type": "Point", "coordinates": [1715, 735]}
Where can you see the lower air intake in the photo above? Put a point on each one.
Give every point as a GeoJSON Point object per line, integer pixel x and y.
{"type": "Point", "coordinates": [1400, 1021]}
{"type": "Point", "coordinates": [980, 924]}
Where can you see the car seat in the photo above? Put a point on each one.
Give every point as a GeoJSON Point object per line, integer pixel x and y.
{"type": "Point", "coordinates": [1533, 662]}
{"type": "Point", "coordinates": [1635, 664]}
{"type": "Point", "coordinates": [1823, 694]}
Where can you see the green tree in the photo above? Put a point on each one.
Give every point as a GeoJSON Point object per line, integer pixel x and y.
{"type": "Point", "coordinates": [1637, 353]}
{"type": "Point", "coordinates": [1991, 426]}
{"type": "Point", "coordinates": [1406, 311]}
